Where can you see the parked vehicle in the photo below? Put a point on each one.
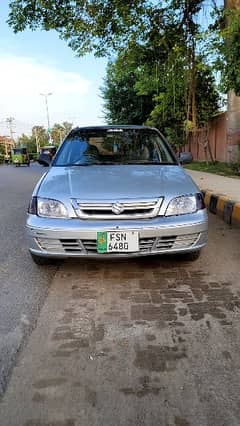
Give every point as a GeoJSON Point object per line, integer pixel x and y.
{"type": "Point", "coordinates": [115, 191]}
{"type": "Point", "coordinates": [46, 152]}
{"type": "Point", "coordinates": [7, 158]}
{"type": "Point", "coordinates": [20, 156]}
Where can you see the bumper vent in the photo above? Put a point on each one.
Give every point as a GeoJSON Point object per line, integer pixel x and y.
{"type": "Point", "coordinates": [146, 245]}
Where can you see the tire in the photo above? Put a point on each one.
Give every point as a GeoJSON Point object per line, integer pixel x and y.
{"type": "Point", "coordinates": [40, 260]}
{"type": "Point", "coordinates": [194, 255]}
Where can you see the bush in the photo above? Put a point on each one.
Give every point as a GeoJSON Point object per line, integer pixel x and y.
{"type": "Point", "coordinates": [224, 169]}
{"type": "Point", "coordinates": [1, 158]}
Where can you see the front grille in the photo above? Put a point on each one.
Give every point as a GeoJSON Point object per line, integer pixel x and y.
{"type": "Point", "coordinates": [146, 245]}
{"type": "Point", "coordinates": [184, 241]}
{"type": "Point", "coordinates": [60, 246]}
{"type": "Point", "coordinates": [164, 243]}
{"type": "Point", "coordinates": [121, 209]}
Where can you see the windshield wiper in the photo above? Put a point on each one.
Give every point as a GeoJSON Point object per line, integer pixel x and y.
{"type": "Point", "coordinates": [81, 164]}
{"type": "Point", "coordinates": [143, 162]}
{"type": "Point", "coordinates": [121, 163]}
{"type": "Point", "coordinates": [150, 163]}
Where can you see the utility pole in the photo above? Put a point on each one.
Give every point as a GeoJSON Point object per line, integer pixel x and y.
{"type": "Point", "coordinates": [10, 124]}
{"type": "Point", "coordinates": [61, 133]}
{"type": "Point", "coordinates": [233, 105]}
{"type": "Point", "coordinates": [45, 95]}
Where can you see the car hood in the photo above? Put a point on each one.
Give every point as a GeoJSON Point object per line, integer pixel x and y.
{"type": "Point", "coordinates": [116, 182]}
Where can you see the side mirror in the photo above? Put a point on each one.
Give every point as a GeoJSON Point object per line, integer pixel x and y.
{"type": "Point", "coordinates": [44, 160]}
{"type": "Point", "coordinates": [185, 157]}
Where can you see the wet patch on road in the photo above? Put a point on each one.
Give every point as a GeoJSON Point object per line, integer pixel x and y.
{"type": "Point", "coordinates": [132, 304]}
{"type": "Point", "coordinates": [179, 294]}
{"type": "Point", "coordinates": [159, 358]}
{"type": "Point", "coordinates": [143, 388]}
{"type": "Point", "coordinates": [180, 421]}
{"type": "Point", "coordinates": [122, 317]}
{"type": "Point", "coordinates": [38, 422]}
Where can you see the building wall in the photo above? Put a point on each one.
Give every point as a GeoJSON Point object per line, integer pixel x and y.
{"type": "Point", "coordinates": [219, 141]}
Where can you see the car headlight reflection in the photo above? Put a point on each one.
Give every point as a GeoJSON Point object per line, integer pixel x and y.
{"type": "Point", "coordinates": [185, 204]}
{"type": "Point", "coordinates": [51, 208]}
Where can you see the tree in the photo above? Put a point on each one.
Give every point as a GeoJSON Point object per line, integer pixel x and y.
{"type": "Point", "coordinates": [121, 102]}
{"type": "Point", "coordinates": [86, 25]}
{"type": "Point", "coordinates": [59, 131]}
{"type": "Point", "coordinates": [105, 26]}
{"type": "Point", "coordinates": [164, 84]}
{"type": "Point", "coordinates": [28, 142]}
{"type": "Point", "coordinates": [39, 136]}
{"type": "Point", "coordinates": [157, 44]}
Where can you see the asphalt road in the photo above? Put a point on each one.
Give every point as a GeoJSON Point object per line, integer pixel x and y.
{"type": "Point", "coordinates": [146, 342]}
{"type": "Point", "coordinates": [22, 287]}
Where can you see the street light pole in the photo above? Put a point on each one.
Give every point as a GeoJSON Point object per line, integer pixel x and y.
{"type": "Point", "coordinates": [48, 120]}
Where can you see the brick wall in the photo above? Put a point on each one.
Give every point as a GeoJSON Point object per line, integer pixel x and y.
{"type": "Point", "coordinates": [220, 142]}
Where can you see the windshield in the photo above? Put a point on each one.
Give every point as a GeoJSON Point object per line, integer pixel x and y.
{"type": "Point", "coordinates": [114, 146]}
{"type": "Point", "coordinates": [19, 151]}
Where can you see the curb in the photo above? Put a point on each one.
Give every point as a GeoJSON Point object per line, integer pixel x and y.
{"type": "Point", "coordinates": [223, 206]}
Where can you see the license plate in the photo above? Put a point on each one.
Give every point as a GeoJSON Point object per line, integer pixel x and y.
{"type": "Point", "coordinates": [120, 241]}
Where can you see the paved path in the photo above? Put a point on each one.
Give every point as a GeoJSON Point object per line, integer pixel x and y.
{"type": "Point", "coordinates": [141, 342]}
{"type": "Point", "coordinates": [218, 184]}
{"type": "Point", "coordinates": [221, 195]}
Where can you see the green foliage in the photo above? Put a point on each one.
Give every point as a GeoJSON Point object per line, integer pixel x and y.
{"type": "Point", "coordinates": [158, 76]}
{"type": "Point", "coordinates": [226, 42]}
{"type": "Point", "coordinates": [163, 90]}
{"type": "Point", "coordinates": [28, 142]}
{"type": "Point", "coordinates": [40, 136]}
{"type": "Point", "coordinates": [105, 26]}
{"type": "Point", "coordinates": [207, 95]}
{"type": "Point", "coordinates": [224, 169]}
{"type": "Point", "coordinates": [59, 131]}
{"type": "Point", "coordinates": [86, 25]}
{"type": "Point", "coordinates": [121, 102]}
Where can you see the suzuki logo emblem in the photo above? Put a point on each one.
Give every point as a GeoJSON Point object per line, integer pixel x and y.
{"type": "Point", "coordinates": [117, 208]}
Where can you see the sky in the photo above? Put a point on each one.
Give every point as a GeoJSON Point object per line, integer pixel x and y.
{"type": "Point", "coordinates": [39, 62]}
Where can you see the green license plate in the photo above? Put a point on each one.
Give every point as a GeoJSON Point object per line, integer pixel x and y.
{"type": "Point", "coordinates": [117, 242]}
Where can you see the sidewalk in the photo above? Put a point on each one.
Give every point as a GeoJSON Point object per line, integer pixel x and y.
{"type": "Point", "coordinates": [221, 195]}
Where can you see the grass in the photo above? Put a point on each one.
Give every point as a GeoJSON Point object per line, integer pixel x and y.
{"type": "Point", "coordinates": [223, 169]}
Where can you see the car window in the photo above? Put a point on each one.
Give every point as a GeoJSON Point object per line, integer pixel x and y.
{"type": "Point", "coordinates": [113, 146]}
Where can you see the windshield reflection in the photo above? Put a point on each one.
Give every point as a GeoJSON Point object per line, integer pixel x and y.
{"type": "Point", "coordinates": [110, 147]}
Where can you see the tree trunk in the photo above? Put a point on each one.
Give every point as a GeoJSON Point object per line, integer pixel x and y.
{"type": "Point", "coordinates": [233, 111]}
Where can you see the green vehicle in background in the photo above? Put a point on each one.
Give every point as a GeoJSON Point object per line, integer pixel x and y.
{"type": "Point", "coordinates": [20, 156]}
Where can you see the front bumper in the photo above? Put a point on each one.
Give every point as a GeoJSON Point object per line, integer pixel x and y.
{"type": "Point", "coordinates": [63, 238]}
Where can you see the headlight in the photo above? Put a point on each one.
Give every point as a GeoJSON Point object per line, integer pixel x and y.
{"type": "Point", "coordinates": [184, 205]}
{"type": "Point", "coordinates": [51, 208]}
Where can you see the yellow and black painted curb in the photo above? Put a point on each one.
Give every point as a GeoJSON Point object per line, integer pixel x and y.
{"type": "Point", "coordinates": [223, 206]}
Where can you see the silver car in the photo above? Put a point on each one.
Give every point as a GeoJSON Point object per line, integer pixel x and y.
{"type": "Point", "coordinates": [115, 191]}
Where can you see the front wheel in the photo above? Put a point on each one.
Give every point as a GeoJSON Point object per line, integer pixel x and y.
{"type": "Point", "coordinates": [191, 257]}
{"type": "Point", "coordinates": [40, 260]}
